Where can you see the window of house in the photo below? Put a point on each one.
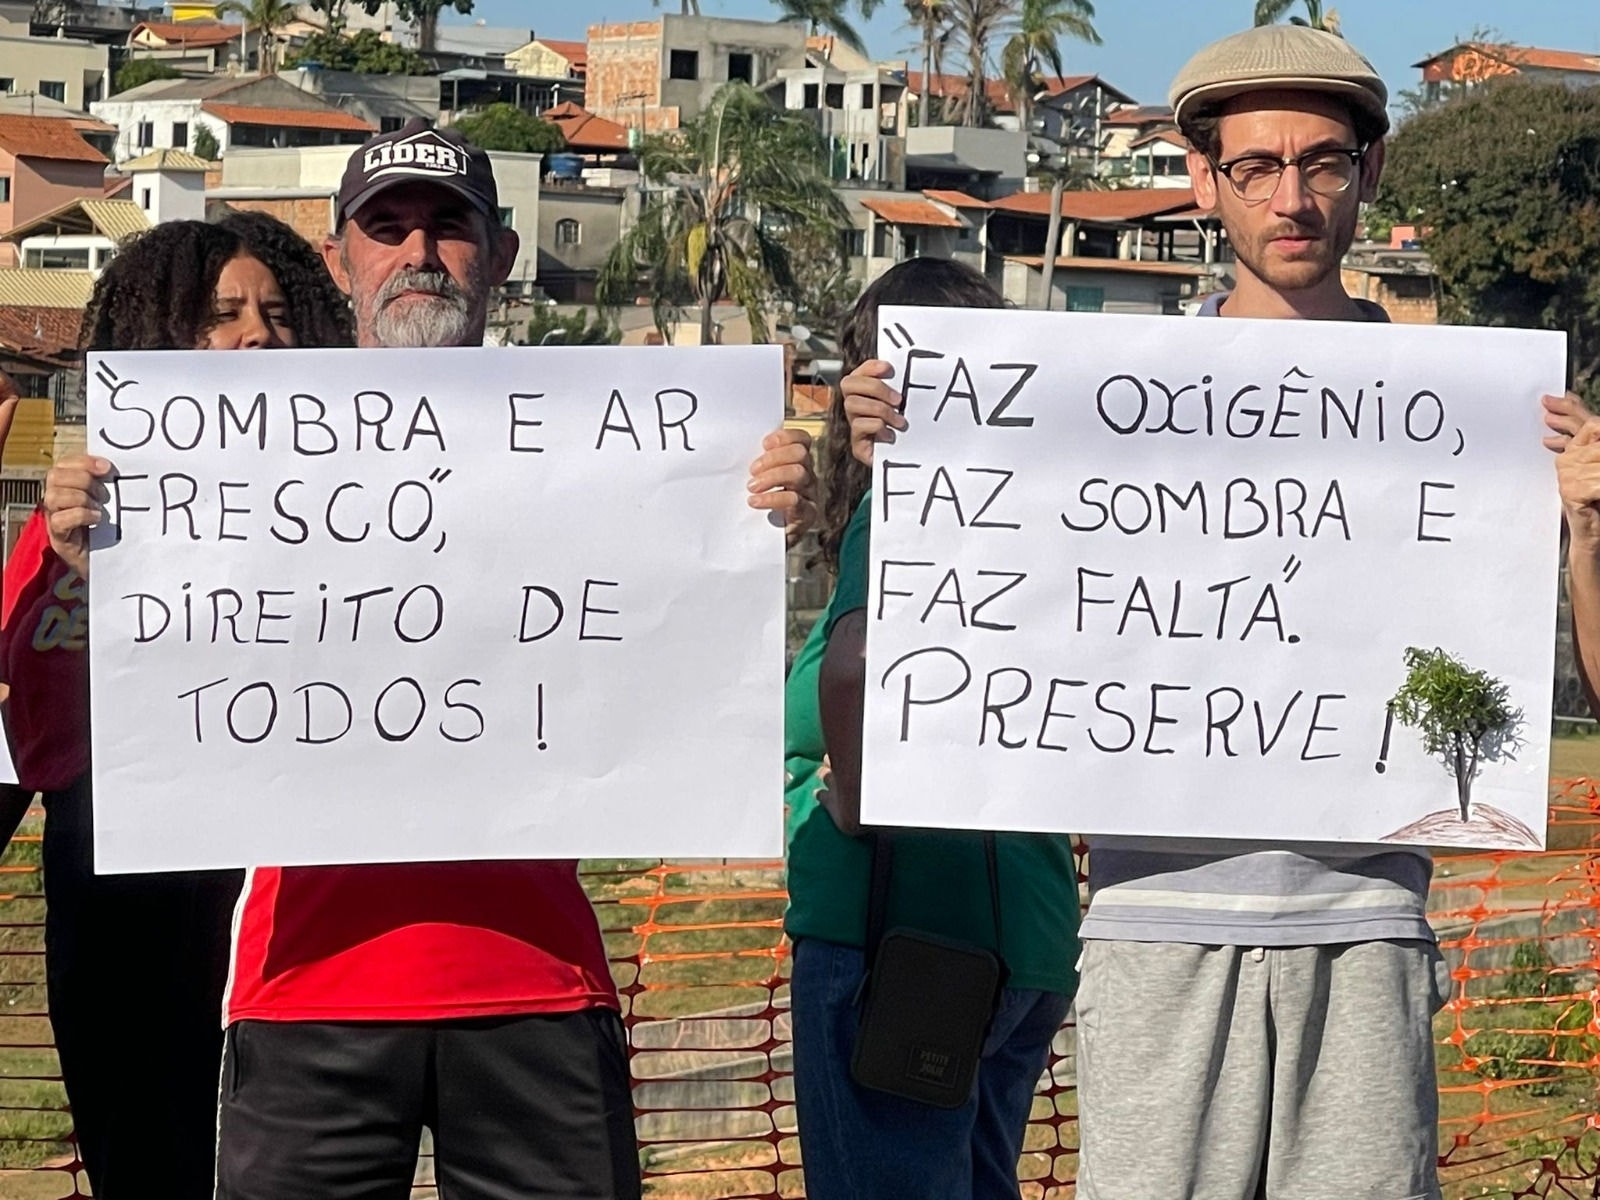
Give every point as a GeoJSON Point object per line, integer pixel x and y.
{"type": "Point", "coordinates": [146, 136]}
{"type": "Point", "coordinates": [53, 89]}
{"type": "Point", "coordinates": [568, 232]}
{"type": "Point", "coordinates": [144, 199]}
{"type": "Point", "coordinates": [813, 95]}
{"type": "Point", "coordinates": [508, 216]}
{"type": "Point", "coordinates": [911, 245]}
{"type": "Point", "coordinates": [854, 243]}
{"type": "Point", "coordinates": [180, 135]}
{"type": "Point", "coordinates": [834, 95]}
{"type": "Point", "coordinates": [1086, 299]}
{"type": "Point", "coordinates": [390, 124]}
{"type": "Point", "coordinates": [882, 239]}
{"type": "Point", "coordinates": [5, 189]}
{"type": "Point", "coordinates": [741, 67]}
{"type": "Point", "coordinates": [7, 84]}
{"type": "Point", "coordinates": [866, 96]}
{"type": "Point", "coordinates": [683, 64]}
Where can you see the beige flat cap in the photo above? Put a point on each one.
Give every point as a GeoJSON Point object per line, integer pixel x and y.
{"type": "Point", "coordinates": [1279, 56]}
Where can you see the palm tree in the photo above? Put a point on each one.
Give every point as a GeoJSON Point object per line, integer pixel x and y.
{"type": "Point", "coordinates": [1269, 11]}
{"type": "Point", "coordinates": [931, 20]}
{"type": "Point", "coordinates": [818, 15]}
{"type": "Point", "coordinates": [266, 17]}
{"type": "Point", "coordinates": [975, 25]}
{"type": "Point", "coordinates": [1041, 26]}
{"type": "Point", "coordinates": [724, 191]}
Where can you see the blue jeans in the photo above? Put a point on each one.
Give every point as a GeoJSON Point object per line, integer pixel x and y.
{"type": "Point", "coordinates": [858, 1144]}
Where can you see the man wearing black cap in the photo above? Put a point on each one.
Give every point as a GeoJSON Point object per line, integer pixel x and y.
{"type": "Point", "coordinates": [475, 999]}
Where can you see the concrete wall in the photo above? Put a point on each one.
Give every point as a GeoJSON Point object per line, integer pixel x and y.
{"type": "Point", "coordinates": [1122, 291]}
{"type": "Point", "coordinates": [295, 167]}
{"type": "Point", "coordinates": [538, 61]}
{"type": "Point", "coordinates": [174, 195]}
{"type": "Point", "coordinates": [40, 185]}
{"type": "Point", "coordinates": [127, 115]}
{"type": "Point", "coordinates": [567, 272]}
{"type": "Point", "coordinates": [1000, 150]}
{"type": "Point", "coordinates": [81, 66]}
{"type": "Point", "coordinates": [628, 73]}
{"type": "Point", "coordinates": [516, 177]}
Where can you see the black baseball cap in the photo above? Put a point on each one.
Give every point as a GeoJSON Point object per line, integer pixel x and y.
{"type": "Point", "coordinates": [417, 152]}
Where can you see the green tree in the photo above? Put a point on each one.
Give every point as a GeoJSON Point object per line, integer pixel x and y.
{"type": "Point", "coordinates": [139, 71]}
{"type": "Point", "coordinates": [1504, 184]}
{"type": "Point", "coordinates": [507, 127]}
{"type": "Point", "coordinates": [1037, 43]}
{"type": "Point", "coordinates": [1271, 11]}
{"type": "Point", "coordinates": [266, 17]}
{"type": "Point", "coordinates": [931, 20]}
{"type": "Point", "coordinates": [365, 53]}
{"type": "Point", "coordinates": [1463, 715]}
{"type": "Point", "coordinates": [424, 14]}
{"type": "Point", "coordinates": [336, 10]}
{"type": "Point", "coordinates": [726, 190]}
{"type": "Point", "coordinates": [548, 327]}
{"type": "Point", "coordinates": [818, 15]}
{"type": "Point", "coordinates": [205, 143]}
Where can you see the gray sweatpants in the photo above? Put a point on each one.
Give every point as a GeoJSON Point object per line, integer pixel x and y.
{"type": "Point", "coordinates": [1226, 1073]}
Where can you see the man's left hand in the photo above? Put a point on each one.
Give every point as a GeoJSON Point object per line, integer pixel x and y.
{"type": "Point", "coordinates": [782, 482]}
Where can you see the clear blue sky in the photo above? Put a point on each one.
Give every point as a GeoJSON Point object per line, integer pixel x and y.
{"type": "Point", "coordinates": [1146, 41]}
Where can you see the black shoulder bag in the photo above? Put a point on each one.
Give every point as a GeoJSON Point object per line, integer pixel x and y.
{"type": "Point", "coordinates": [926, 1002]}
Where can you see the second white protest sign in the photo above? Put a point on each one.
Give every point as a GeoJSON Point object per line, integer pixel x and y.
{"type": "Point", "coordinates": [388, 605]}
{"type": "Point", "coordinates": [1138, 575]}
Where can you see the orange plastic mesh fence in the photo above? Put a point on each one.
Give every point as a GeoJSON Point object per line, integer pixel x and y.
{"type": "Point", "coordinates": [700, 960]}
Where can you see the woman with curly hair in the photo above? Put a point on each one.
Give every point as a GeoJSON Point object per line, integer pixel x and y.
{"type": "Point", "coordinates": [136, 964]}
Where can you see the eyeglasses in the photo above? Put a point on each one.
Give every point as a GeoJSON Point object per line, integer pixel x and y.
{"type": "Point", "coordinates": [1255, 177]}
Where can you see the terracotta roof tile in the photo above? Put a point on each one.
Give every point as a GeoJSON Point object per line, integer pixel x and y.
{"type": "Point", "coordinates": [46, 137]}
{"type": "Point", "coordinates": [585, 131]}
{"type": "Point", "coordinates": [36, 330]}
{"type": "Point", "coordinates": [1130, 204]}
{"type": "Point", "coordinates": [187, 33]}
{"type": "Point", "coordinates": [576, 53]}
{"type": "Point", "coordinates": [1526, 56]}
{"type": "Point", "coordinates": [954, 199]}
{"type": "Point", "coordinates": [910, 212]}
{"type": "Point", "coordinates": [291, 118]}
{"type": "Point", "coordinates": [1122, 265]}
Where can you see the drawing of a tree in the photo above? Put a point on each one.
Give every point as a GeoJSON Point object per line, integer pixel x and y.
{"type": "Point", "coordinates": [1464, 716]}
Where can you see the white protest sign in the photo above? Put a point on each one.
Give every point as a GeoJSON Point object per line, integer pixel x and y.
{"type": "Point", "coordinates": [1150, 576]}
{"type": "Point", "coordinates": [383, 605]}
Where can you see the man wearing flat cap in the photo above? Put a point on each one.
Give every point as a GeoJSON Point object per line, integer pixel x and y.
{"type": "Point", "coordinates": [1254, 1021]}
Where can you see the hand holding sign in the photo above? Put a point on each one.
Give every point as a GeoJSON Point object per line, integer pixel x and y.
{"type": "Point", "coordinates": [401, 606]}
{"type": "Point", "coordinates": [1140, 576]}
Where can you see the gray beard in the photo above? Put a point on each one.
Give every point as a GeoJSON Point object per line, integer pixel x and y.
{"type": "Point", "coordinates": [437, 321]}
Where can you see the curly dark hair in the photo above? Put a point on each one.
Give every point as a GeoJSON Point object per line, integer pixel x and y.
{"type": "Point", "coordinates": [158, 293]}
{"type": "Point", "coordinates": [932, 282]}
{"type": "Point", "coordinates": [319, 313]}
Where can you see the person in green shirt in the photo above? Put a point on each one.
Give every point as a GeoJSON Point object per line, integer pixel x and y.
{"type": "Point", "coordinates": [855, 1141]}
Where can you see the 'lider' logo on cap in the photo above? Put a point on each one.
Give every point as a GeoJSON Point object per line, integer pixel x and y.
{"type": "Point", "coordinates": [423, 154]}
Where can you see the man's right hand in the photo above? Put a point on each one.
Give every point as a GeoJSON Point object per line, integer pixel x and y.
{"type": "Point", "coordinates": [74, 499]}
{"type": "Point", "coordinates": [872, 406]}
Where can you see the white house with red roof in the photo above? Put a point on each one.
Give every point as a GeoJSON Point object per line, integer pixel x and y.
{"type": "Point", "coordinates": [263, 111]}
